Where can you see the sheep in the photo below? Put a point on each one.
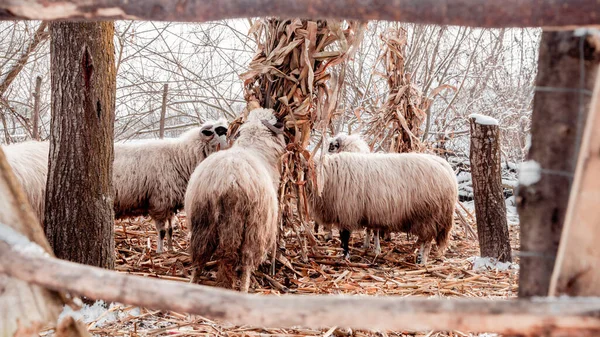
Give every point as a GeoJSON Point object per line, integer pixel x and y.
{"type": "Point", "coordinates": [343, 142]}
{"type": "Point", "coordinates": [29, 162]}
{"type": "Point", "coordinates": [409, 192]}
{"type": "Point", "coordinates": [231, 202]}
{"type": "Point", "coordinates": [150, 177]}
{"type": "Point", "coordinates": [347, 143]}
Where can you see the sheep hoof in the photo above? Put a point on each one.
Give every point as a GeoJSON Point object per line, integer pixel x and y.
{"type": "Point", "coordinates": [377, 250]}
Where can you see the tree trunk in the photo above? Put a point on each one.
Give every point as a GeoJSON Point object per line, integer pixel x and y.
{"type": "Point", "coordinates": [36, 109]}
{"type": "Point", "coordinates": [555, 136]}
{"type": "Point", "coordinates": [490, 209]}
{"type": "Point", "coordinates": [163, 111]}
{"type": "Point", "coordinates": [79, 216]}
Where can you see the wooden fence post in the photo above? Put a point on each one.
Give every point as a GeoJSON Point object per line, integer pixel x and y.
{"type": "Point", "coordinates": [490, 209]}
{"type": "Point", "coordinates": [566, 68]}
{"type": "Point", "coordinates": [163, 111]}
{"type": "Point", "coordinates": [36, 109]}
{"type": "Point", "coordinates": [576, 270]}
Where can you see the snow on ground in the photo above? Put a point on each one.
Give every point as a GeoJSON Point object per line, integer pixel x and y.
{"type": "Point", "coordinates": [98, 313]}
{"type": "Point", "coordinates": [490, 263]}
{"type": "Point", "coordinates": [511, 211]}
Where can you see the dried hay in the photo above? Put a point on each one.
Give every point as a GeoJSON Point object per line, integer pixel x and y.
{"type": "Point", "coordinates": [391, 273]}
{"type": "Point", "coordinates": [396, 126]}
{"type": "Point", "coordinates": [289, 74]}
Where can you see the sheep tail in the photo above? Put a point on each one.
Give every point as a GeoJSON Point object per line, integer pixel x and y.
{"type": "Point", "coordinates": [443, 238]}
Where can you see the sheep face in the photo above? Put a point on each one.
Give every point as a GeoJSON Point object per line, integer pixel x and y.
{"type": "Point", "coordinates": [214, 133]}
{"type": "Point", "coordinates": [262, 129]}
{"type": "Point", "coordinates": [334, 145]}
{"type": "Point", "coordinates": [343, 142]}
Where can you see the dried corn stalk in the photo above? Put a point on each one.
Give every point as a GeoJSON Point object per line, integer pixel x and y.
{"type": "Point", "coordinates": [289, 74]}
{"type": "Point", "coordinates": [396, 126]}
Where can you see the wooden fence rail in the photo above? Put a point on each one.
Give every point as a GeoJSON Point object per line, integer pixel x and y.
{"type": "Point", "coordinates": [22, 259]}
{"type": "Point", "coordinates": [479, 13]}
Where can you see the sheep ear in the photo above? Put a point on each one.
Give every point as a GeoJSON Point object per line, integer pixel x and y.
{"type": "Point", "coordinates": [276, 128]}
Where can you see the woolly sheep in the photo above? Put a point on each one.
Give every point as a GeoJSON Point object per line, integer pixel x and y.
{"type": "Point", "coordinates": [409, 192]}
{"type": "Point", "coordinates": [29, 162]}
{"type": "Point", "coordinates": [343, 142]}
{"type": "Point", "coordinates": [150, 176]}
{"type": "Point", "coordinates": [231, 201]}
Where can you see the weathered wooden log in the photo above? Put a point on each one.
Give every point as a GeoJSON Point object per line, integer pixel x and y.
{"type": "Point", "coordinates": [576, 270]}
{"type": "Point", "coordinates": [24, 308]}
{"type": "Point", "coordinates": [490, 209]}
{"type": "Point", "coordinates": [563, 93]}
{"type": "Point", "coordinates": [579, 316]}
{"type": "Point", "coordinates": [486, 13]}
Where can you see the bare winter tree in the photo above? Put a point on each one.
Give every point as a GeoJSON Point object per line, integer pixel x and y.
{"type": "Point", "coordinates": [79, 216]}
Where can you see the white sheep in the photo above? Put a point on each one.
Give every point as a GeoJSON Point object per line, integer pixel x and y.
{"type": "Point", "coordinates": [150, 176]}
{"type": "Point", "coordinates": [343, 142]}
{"type": "Point", "coordinates": [231, 201]}
{"type": "Point", "coordinates": [408, 192]}
{"type": "Point", "coordinates": [29, 162]}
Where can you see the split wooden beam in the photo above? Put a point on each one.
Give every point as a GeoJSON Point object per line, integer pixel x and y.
{"type": "Point", "coordinates": [576, 270]}
{"type": "Point", "coordinates": [484, 13]}
{"type": "Point", "coordinates": [579, 316]}
{"type": "Point", "coordinates": [24, 308]}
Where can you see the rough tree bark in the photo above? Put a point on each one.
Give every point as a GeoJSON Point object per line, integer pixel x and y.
{"type": "Point", "coordinates": [490, 209]}
{"type": "Point", "coordinates": [555, 134]}
{"type": "Point", "coordinates": [35, 134]}
{"type": "Point", "coordinates": [79, 216]}
{"type": "Point", "coordinates": [163, 111]}
{"type": "Point", "coordinates": [483, 13]}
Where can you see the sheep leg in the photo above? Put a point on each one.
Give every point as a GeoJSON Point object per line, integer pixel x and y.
{"type": "Point", "coordinates": [377, 245]}
{"type": "Point", "coordinates": [170, 234]}
{"type": "Point", "coordinates": [367, 241]}
{"type": "Point", "coordinates": [245, 280]}
{"type": "Point", "coordinates": [424, 249]}
{"type": "Point", "coordinates": [162, 232]}
{"type": "Point", "coordinates": [329, 230]}
{"type": "Point", "coordinates": [345, 239]}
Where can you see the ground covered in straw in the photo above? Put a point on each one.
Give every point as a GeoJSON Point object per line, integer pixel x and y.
{"type": "Point", "coordinates": [391, 273]}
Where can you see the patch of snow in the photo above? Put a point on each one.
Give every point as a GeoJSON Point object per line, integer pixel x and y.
{"type": "Point", "coordinates": [20, 242]}
{"type": "Point", "coordinates": [511, 211]}
{"type": "Point", "coordinates": [530, 172]}
{"type": "Point", "coordinates": [490, 263]}
{"type": "Point", "coordinates": [463, 176]}
{"type": "Point", "coordinates": [484, 120]}
{"type": "Point", "coordinates": [510, 182]}
{"type": "Point", "coordinates": [98, 313]}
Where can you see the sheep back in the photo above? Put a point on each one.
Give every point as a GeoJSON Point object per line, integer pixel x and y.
{"type": "Point", "coordinates": [413, 193]}
{"type": "Point", "coordinates": [232, 208]}
{"type": "Point", "coordinates": [150, 177]}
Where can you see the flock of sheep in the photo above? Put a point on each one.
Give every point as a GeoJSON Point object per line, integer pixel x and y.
{"type": "Point", "coordinates": [230, 193]}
